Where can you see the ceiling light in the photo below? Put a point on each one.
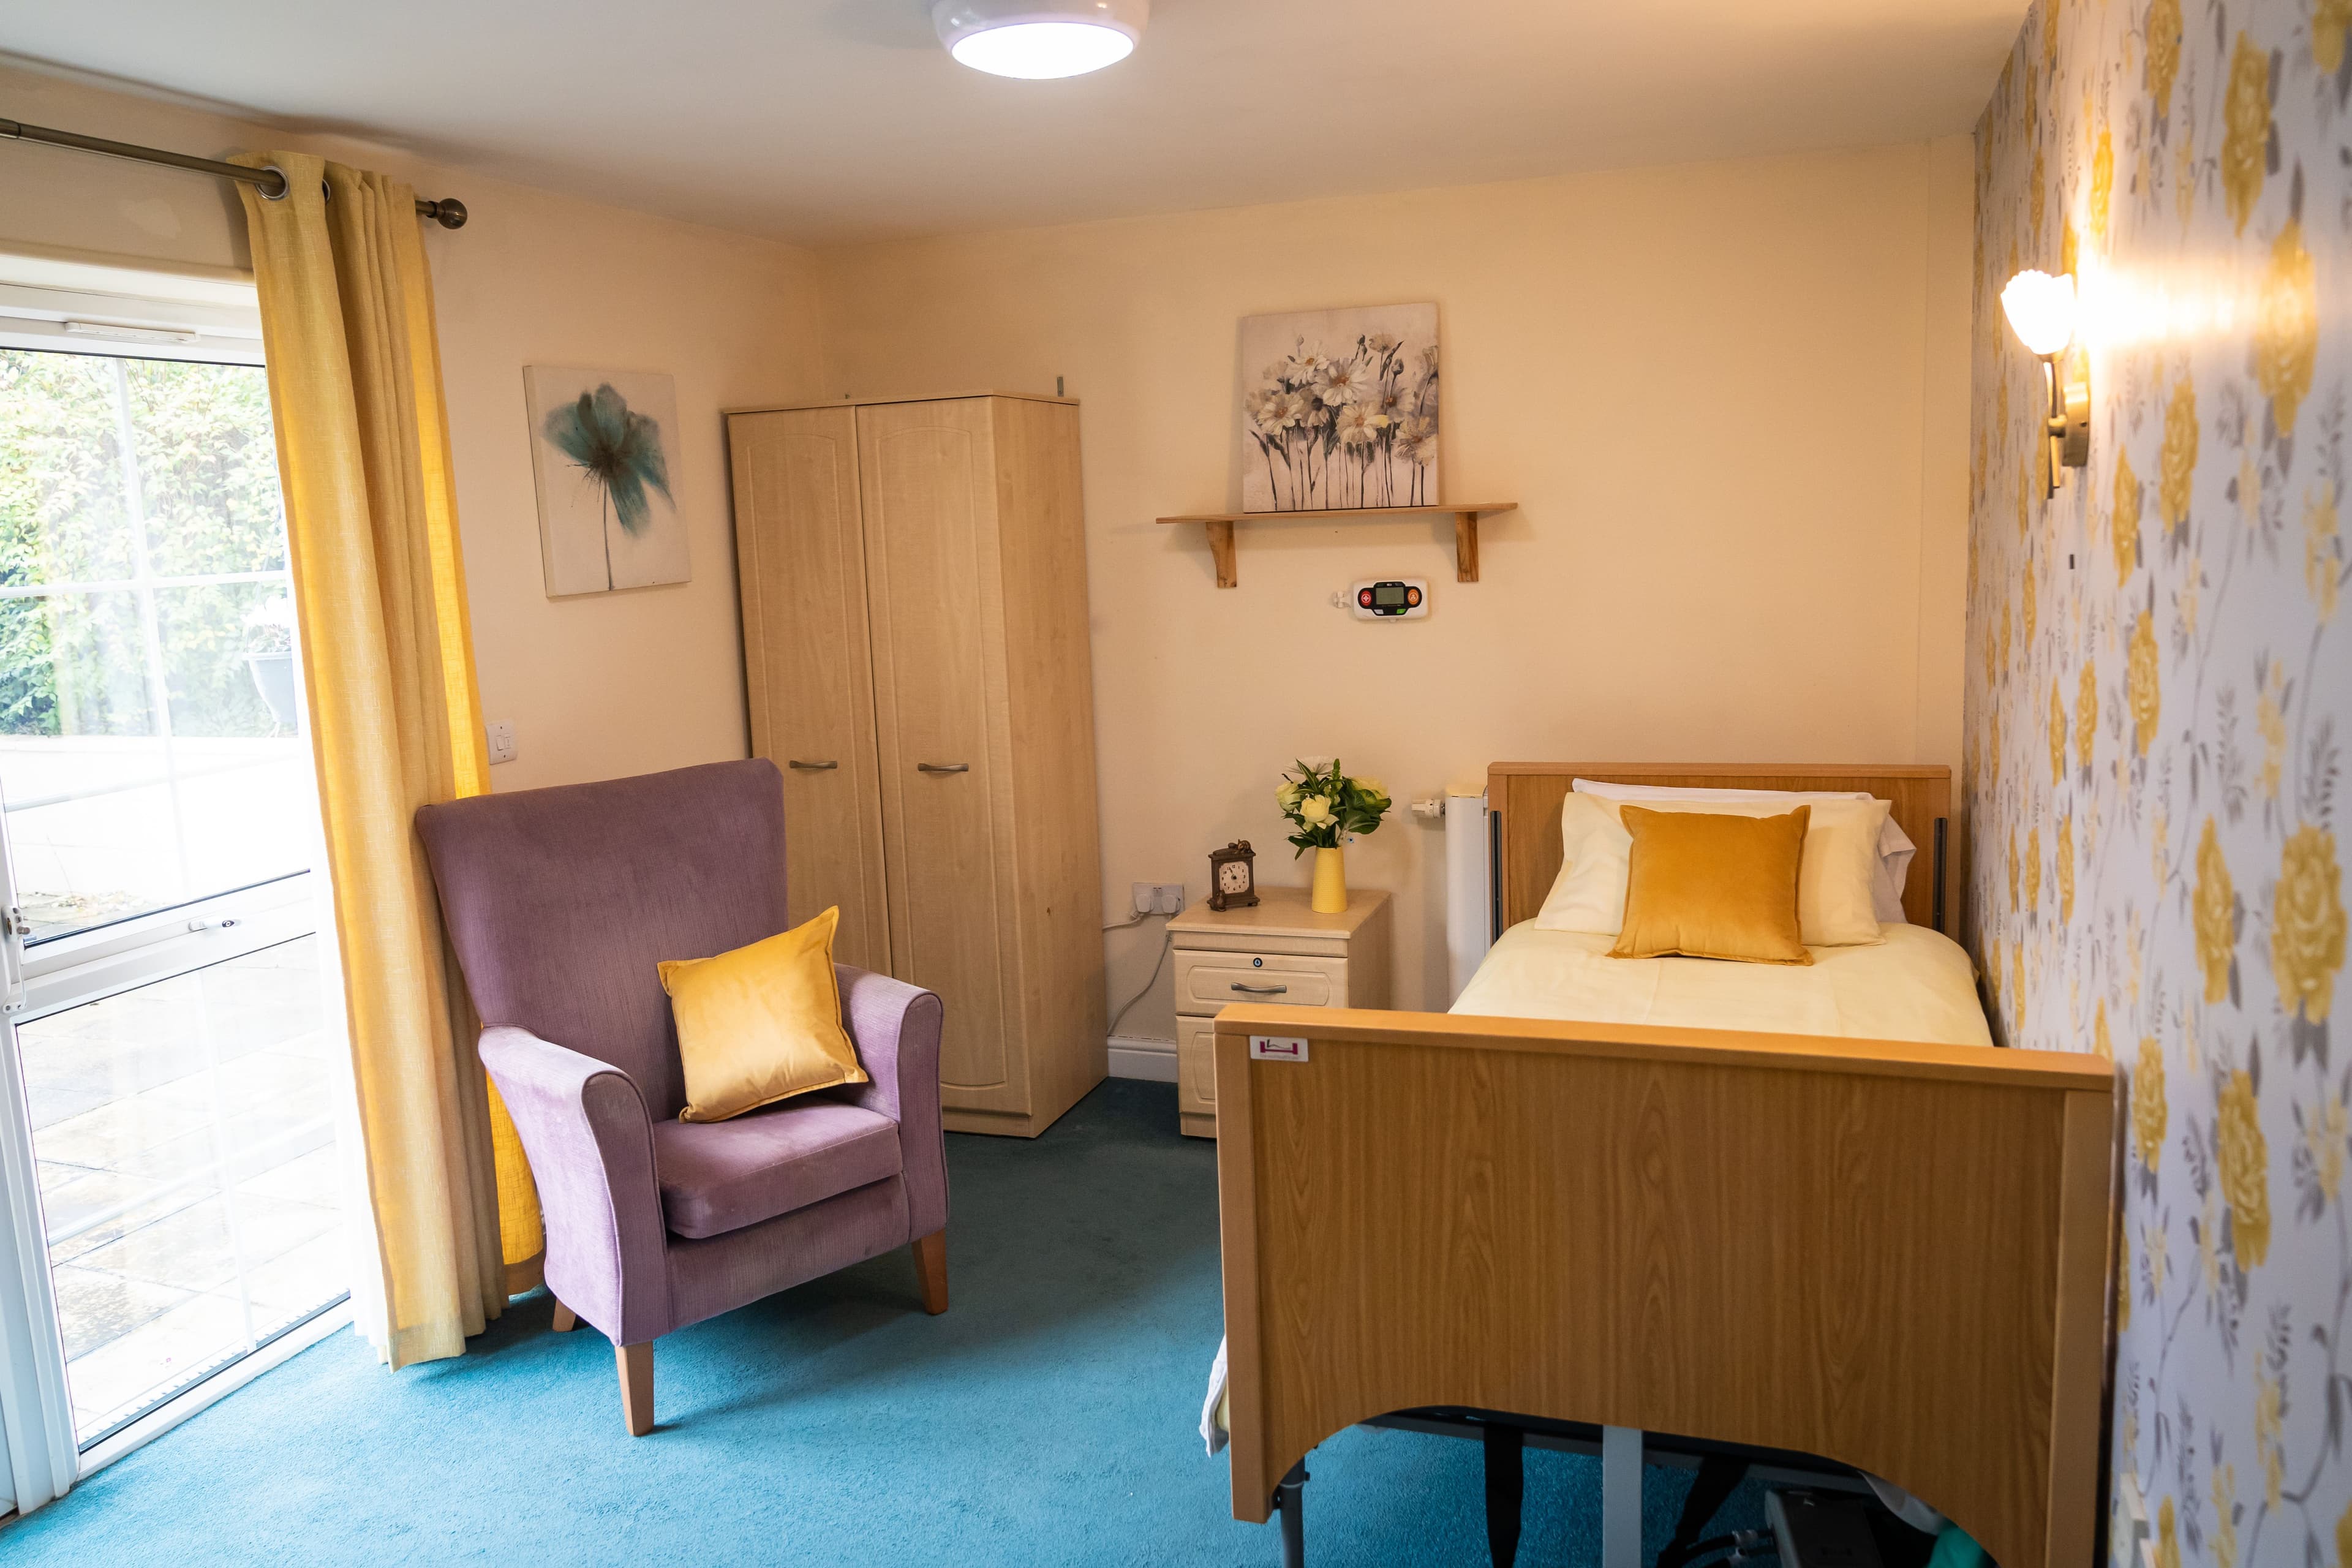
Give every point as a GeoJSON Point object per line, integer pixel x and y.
{"type": "Point", "coordinates": [1040, 38]}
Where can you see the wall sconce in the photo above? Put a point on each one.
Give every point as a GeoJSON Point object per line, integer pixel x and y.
{"type": "Point", "coordinates": [2042, 312]}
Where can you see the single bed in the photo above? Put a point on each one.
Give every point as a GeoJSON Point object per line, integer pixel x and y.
{"type": "Point", "coordinates": [1805, 1210]}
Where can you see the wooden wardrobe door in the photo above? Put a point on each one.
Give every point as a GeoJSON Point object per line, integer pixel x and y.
{"type": "Point", "coordinates": [927, 472]}
{"type": "Point", "coordinates": [808, 664]}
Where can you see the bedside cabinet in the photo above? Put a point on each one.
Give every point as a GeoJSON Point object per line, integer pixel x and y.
{"type": "Point", "coordinates": [1279, 951]}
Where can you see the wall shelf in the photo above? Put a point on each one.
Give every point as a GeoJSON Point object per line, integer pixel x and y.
{"type": "Point", "coordinates": [1465, 515]}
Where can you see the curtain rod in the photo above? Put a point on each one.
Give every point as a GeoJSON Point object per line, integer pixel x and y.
{"type": "Point", "coordinates": [449, 212]}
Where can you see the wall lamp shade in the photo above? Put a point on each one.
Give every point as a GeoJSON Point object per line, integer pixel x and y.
{"type": "Point", "coordinates": [1039, 39]}
{"type": "Point", "coordinates": [2041, 311]}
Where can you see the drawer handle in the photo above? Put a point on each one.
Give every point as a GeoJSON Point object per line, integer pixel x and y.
{"type": "Point", "coordinates": [1260, 990]}
{"type": "Point", "coordinates": [944, 767]}
{"type": "Point", "coordinates": [813, 767]}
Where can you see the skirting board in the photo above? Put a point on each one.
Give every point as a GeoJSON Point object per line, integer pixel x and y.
{"type": "Point", "coordinates": [1139, 1056]}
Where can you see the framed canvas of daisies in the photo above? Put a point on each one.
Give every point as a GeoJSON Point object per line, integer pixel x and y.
{"type": "Point", "coordinates": [604, 450]}
{"type": "Point", "coordinates": [1340, 409]}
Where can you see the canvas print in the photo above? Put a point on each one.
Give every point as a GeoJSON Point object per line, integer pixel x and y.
{"type": "Point", "coordinates": [1341, 409]}
{"type": "Point", "coordinates": [603, 446]}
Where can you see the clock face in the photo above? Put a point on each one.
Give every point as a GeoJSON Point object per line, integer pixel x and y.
{"type": "Point", "coordinates": [1234, 877]}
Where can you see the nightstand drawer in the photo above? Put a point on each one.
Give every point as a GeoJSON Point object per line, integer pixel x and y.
{"type": "Point", "coordinates": [1196, 1065]}
{"type": "Point", "coordinates": [1208, 981]}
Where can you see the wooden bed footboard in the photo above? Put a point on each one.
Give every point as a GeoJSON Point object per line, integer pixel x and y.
{"type": "Point", "coordinates": [1894, 1256]}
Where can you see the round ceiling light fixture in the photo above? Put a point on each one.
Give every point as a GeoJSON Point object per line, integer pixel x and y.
{"type": "Point", "coordinates": [1040, 39]}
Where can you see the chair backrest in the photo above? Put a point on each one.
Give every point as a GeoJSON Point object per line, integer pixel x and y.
{"type": "Point", "coordinates": [559, 902]}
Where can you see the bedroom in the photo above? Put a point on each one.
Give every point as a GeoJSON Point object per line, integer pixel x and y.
{"type": "Point", "coordinates": [1715, 298]}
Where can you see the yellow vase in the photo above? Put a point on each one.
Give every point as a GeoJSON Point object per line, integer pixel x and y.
{"type": "Point", "coordinates": [1331, 896]}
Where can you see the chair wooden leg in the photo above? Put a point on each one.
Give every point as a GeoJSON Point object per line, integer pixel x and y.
{"type": "Point", "coordinates": [931, 1269]}
{"type": "Point", "coordinates": [636, 1364]}
{"type": "Point", "coordinates": [566, 1319]}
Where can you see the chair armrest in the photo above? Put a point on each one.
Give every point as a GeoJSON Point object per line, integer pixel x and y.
{"type": "Point", "coordinates": [590, 1145]}
{"type": "Point", "coordinates": [896, 1028]}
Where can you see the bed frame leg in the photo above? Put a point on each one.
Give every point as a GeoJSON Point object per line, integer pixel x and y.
{"type": "Point", "coordinates": [1506, 1489]}
{"type": "Point", "coordinates": [1287, 1502]}
{"type": "Point", "coordinates": [1621, 1497]}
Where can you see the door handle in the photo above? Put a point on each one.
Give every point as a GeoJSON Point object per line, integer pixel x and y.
{"type": "Point", "coordinates": [944, 767]}
{"type": "Point", "coordinates": [812, 767]}
{"type": "Point", "coordinates": [1260, 990]}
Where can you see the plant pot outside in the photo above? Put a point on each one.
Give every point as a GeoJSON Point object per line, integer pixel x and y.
{"type": "Point", "coordinates": [273, 677]}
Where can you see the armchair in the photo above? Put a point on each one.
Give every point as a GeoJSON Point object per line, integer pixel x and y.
{"type": "Point", "coordinates": [558, 903]}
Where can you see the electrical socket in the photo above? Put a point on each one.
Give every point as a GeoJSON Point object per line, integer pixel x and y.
{"type": "Point", "coordinates": [1159, 898]}
{"type": "Point", "coordinates": [502, 739]}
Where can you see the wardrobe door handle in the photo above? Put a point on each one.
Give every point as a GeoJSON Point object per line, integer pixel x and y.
{"type": "Point", "coordinates": [944, 767]}
{"type": "Point", "coordinates": [813, 767]}
{"type": "Point", "coordinates": [1260, 990]}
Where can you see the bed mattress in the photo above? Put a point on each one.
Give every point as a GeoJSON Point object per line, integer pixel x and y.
{"type": "Point", "coordinates": [1916, 984]}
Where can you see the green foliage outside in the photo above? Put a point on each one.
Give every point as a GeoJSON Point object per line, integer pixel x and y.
{"type": "Point", "coordinates": [206, 464]}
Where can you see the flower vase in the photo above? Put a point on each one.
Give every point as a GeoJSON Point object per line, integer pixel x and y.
{"type": "Point", "coordinates": [1330, 895]}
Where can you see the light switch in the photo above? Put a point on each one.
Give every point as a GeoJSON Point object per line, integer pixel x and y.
{"type": "Point", "coordinates": [502, 739]}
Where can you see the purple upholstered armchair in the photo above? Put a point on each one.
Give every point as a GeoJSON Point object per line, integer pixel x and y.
{"type": "Point", "coordinates": [559, 902]}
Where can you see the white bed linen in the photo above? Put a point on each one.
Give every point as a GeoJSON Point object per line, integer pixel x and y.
{"type": "Point", "coordinates": [1916, 984]}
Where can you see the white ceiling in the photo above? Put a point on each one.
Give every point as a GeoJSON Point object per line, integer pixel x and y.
{"type": "Point", "coordinates": [832, 120]}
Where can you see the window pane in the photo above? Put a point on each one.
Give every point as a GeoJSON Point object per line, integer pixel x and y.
{"type": "Point", "coordinates": [73, 664]}
{"type": "Point", "coordinates": [62, 517]}
{"type": "Point", "coordinates": [207, 467]}
{"type": "Point", "coordinates": [227, 659]}
{"type": "Point", "coordinates": [185, 1140]}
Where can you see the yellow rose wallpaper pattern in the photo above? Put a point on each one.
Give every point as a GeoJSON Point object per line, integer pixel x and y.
{"type": "Point", "coordinates": [2159, 711]}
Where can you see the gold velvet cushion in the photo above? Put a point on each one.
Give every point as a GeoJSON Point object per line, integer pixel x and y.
{"type": "Point", "coordinates": [1710, 886]}
{"type": "Point", "coordinates": [760, 1024]}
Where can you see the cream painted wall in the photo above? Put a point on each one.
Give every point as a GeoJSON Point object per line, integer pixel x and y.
{"type": "Point", "coordinates": [597, 686]}
{"type": "Point", "coordinates": [1731, 400]}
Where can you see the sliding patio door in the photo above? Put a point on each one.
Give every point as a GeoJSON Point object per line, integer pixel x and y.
{"type": "Point", "coordinates": [174, 1063]}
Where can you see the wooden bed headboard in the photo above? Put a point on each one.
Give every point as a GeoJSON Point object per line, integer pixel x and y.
{"type": "Point", "coordinates": [1525, 800]}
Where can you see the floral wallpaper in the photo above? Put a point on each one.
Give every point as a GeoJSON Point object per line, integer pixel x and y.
{"type": "Point", "coordinates": [2159, 701]}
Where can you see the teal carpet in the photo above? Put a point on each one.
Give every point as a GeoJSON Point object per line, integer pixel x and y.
{"type": "Point", "coordinates": [1048, 1418]}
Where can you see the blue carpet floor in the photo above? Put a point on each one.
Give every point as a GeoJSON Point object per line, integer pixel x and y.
{"type": "Point", "coordinates": [1048, 1418]}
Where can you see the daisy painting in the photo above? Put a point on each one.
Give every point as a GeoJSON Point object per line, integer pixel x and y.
{"type": "Point", "coordinates": [1340, 409]}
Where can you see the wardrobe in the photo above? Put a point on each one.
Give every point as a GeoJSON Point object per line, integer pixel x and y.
{"type": "Point", "coordinates": [916, 658]}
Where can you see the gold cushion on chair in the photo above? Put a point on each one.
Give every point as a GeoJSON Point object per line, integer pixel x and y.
{"type": "Point", "coordinates": [1709, 885]}
{"type": "Point", "coordinates": [760, 1024]}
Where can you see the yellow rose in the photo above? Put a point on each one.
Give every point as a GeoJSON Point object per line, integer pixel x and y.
{"type": "Point", "coordinates": [2140, 682]}
{"type": "Point", "coordinates": [2320, 551]}
{"type": "Point", "coordinates": [1286, 796]}
{"type": "Point", "coordinates": [1314, 810]}
{"type": "Point", "coordinates": [2086, 715]}
{"type": "Point", "coordinates": [2126, 518]}
{"type": "Point", "coordinates": [2247, 115]}
{"type": "Point", "coordinates": [2329, 21]}
{"type": "Point", "coordinates": [2147, 1110]}
{"type": "Point", "coordinates": [2103, 185]}
{"type": "Point", "coordinates": [2216, 910]}
{"type": "Point", "coordinates": [2307, 924]}
{"type": "Point", "coordinates": [2065, 868]}
{"type": "Point", "coordinates": [2286, 327]}
{"type": "Point", "coordinates": [2179, 462]}
{"type": "Point", "coordinates": [2057, 735]}
{"type": "Point", "coordinates": [2163, 51]}
{"type": "Point", "coordinates": [2245, 1166]}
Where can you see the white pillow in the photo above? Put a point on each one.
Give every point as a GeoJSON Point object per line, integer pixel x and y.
{"type": "Point", "coordinates": [1836, 879]}
{"type": "Point", "coordinates": [1894, 846]}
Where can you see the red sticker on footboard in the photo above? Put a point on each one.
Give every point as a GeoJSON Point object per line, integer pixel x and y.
{"type": "Point", "coordinates": [1278, 1049]}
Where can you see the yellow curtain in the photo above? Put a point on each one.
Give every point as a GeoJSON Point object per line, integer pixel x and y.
{"type": "Point", "coordinates": [387, 658]}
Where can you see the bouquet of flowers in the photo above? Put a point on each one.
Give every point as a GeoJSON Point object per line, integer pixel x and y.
{"type": "Point", "coordinates": [1354, 428]}
{"type": "Point", "coordinates": [1323, 803]}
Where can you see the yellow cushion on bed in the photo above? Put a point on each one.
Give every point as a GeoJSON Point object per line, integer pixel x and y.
{"type": "Point", "coordinates": [1835, 882]}
{"type": "Point", "coordinates": [1710, 886]}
